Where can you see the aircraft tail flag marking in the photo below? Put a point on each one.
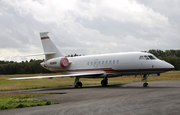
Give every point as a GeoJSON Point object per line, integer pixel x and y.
{"type": "Point", "coordinates": [42, 38]}
{"type": "Point", "coordinates": [44, 35]}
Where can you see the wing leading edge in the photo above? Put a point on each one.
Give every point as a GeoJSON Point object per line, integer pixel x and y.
{"type": "Point", "coordinates": [69, 75]}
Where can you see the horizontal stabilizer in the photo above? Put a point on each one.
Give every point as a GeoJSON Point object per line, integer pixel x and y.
{"type": "Point", "coordinates": [45, 53]}
{"type": "Point", "coordinates": [53, 76]}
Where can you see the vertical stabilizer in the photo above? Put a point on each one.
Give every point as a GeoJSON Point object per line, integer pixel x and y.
{"type": "Point", "coordinates": [50, 50]}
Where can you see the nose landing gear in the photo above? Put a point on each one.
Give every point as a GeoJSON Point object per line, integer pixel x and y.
{"type": "Point", "coordinates": [145, 84]}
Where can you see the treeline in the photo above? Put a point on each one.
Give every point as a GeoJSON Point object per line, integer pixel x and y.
{"type": "Point", "coordinates": [170, 56]}
{"type": "Point", "coordinates": [31, 67]}
{"type": "Point", "coordinates": [24, 67]}
{"type": "Point", "coordinates": [75, 55]}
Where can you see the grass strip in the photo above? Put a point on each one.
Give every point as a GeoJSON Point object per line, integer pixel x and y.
{"type": "Point", "coordinates": [6, 85]}
{"type": "Point", "coordinates": [12, 100]}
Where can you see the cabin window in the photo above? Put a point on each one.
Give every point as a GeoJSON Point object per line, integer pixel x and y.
{"type": "Point", "coordinates": [141, 58]}
{"type": "Point", "coordinates": [117, 61]}
{"type": "Point", "coordinates": [88, 63]}
{"type": "Point", "coordinates": [91, 63]}
{"type": "Point", "coordinates": [99, 62]}
{"type": "Point", "coordinates": [114, 61]}
{"type": "Point", "coordinates": [110, 62]}
{"type": "Point", "coordinates": [102, 62]}
{"type": "Point", "coordinates": [146, 57]}
{"type": "Point", "coordinates": [151, 57]}
{"type": "Point", "coordinates": [106, 62]}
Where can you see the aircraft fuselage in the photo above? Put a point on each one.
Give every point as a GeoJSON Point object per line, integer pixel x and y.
{"type": "Point", "coordinates": [113, 65]}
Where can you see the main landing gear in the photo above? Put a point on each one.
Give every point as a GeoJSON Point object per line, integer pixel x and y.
{"type": "Point", "coordinates": [77, 83]}
{"type": "Point", "coordinates": [145, 84]}
{"type": "Point", "coordinates": [104, 82]}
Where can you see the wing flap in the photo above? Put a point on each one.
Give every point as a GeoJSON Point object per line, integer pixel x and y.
{"type": "Point", "coordinates": [54, 76]}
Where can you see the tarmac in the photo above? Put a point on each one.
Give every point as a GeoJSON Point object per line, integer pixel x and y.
{"type": "Point", "coordinates": [160, 98]}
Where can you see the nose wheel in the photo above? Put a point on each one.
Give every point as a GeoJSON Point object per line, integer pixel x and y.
{"type": "Point", "coordinates": [145, 85]}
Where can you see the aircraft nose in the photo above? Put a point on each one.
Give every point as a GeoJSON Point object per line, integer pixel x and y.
{"type": "Point", "coordinates": [170, 66]}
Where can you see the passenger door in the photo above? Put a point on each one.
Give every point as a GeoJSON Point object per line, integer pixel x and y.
{"type": "Point", "coordinates": [96, 63]}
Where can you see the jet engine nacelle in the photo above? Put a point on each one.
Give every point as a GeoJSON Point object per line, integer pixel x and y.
{"type": "Point", "coordinates": [57, 63]}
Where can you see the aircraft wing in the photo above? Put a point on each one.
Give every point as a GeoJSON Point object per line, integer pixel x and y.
{"type": "Point", "coordinates": [68, 75]}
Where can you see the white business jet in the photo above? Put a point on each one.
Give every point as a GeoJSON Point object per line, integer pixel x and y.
{"type": "Point", "coordinates": [99, 66]}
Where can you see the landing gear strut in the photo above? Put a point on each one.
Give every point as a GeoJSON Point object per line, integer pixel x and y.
{"type": "Point", "coordinates": [104, 82]}
{"type": "Point", "coordinates": [77, 83]}
{"type": "Point", "coordinates": [145, 84]}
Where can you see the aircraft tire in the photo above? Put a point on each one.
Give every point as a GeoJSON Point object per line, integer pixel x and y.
{"type": "Point", "coordinates": [145, 84]}
{"type": "Point", "coordinates": [78, 85]}
{"type": "Point", "coordinates": [104, 82]}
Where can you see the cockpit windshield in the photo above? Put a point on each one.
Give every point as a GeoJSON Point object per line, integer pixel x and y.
{"type": "Point", "coordinates": [147, 57]}
{"type": "Point", "coordinates": [151, 57]}
{"type": "Point", "coordinates": [141, 58]}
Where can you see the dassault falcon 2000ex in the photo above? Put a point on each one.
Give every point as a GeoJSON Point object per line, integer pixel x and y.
{"type": "Point", "coordinates": [99, 66]}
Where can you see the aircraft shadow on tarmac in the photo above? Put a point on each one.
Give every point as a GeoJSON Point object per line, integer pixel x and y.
{"type": "Point", "coordinates": [111, 86]}
{"type": "Point", "coordinates": [121, 86]}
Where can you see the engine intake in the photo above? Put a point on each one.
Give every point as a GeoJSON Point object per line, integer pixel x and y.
{"type": "Point", "coordinates": [64, 62]}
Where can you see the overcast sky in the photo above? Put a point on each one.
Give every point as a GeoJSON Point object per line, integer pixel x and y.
{"type": "Point", "coordinates": [88, 26]}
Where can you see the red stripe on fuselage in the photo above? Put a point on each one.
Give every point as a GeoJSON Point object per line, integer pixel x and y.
{"type": "Point", "coordinates": [95, 69]}
{"type": "Point", "coordinates": [110, 70]}
{"type": "Point", "coordinates": [44, 38]}
{"type": "Point", "coordinates": [86, 70]}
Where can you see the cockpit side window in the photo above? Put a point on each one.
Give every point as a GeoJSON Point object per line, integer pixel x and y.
{"type": "Point", "coordinates": [151, 57]}
{"type": "Point", "coordinates": [141, 58]}
{"type": "Point", "coordinates": [146, 57]}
